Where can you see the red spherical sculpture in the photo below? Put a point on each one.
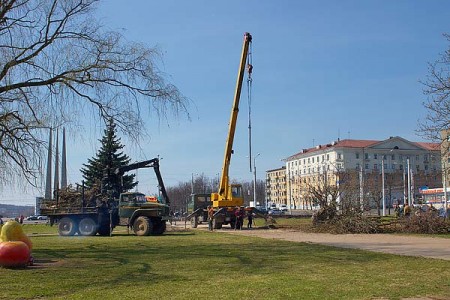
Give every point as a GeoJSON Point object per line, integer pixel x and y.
{"type": "Point", "coordinates": [14, 254]}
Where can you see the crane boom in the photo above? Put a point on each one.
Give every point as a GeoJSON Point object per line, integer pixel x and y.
{"type": "Point", "coordinates": [232, 195]}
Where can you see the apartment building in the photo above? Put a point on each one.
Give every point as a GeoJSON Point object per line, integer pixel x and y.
{"type": "Point", "coordinates": [394, 157]}
{"type": "Point", "coordinates": [276, 186]}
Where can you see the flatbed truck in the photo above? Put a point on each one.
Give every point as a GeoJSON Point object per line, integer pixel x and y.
{"type": "Point", "coordinates": [130, 209]}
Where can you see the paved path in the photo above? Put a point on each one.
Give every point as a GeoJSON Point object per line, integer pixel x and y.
{"type": "Point", "coordinates": [431, 247]}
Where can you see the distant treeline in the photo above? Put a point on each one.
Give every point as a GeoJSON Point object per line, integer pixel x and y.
{"type": "Point", "coordinates": [12, 211]}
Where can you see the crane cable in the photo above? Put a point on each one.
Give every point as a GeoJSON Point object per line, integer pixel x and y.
{"type": "Point", "coordinates": [249, 99]}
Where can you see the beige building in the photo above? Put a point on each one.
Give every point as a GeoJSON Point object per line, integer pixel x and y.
{"type": "Point", "coordinates": [276, 186]}
{"type": "Point", "coordinates": [394, 156]}
{"type": "Point", "coordinates": [445, 135]}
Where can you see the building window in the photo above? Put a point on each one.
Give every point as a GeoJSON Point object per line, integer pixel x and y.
{"type": "Point", "coordinates": [328, 157]}
{"type": "Point", "coordinates": [313, 160]}
{"type": "Point", "coordinates": [366, 155]}
{"type": "Point", "coordinates": [357, 155]}
{"type": "Point", "coordinates": [401, 167]}
{"type": "Point", "coordinates": [375, 166]}
{"type": "Point", "coordinates": [339, 156]}
{"type": "Point", "coordinates": [375, 156]}
{"type": "Point", "coordinates": [393, 157]}
{"type": "Point", "coordinates": [366, 166]}
{"type": "Point", "coordinates": [393, 166]}
{"type": "Point", "coordinates": [425, 167]}
{"type": "Point", "coordinates": [357, 166]}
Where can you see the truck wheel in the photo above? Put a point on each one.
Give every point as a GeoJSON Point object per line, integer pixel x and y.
{"type": "Point", "coordinates": [142, 226]}
{"type": "Point", "coordinates": [67, 226]}
{"type": "Point", "coordinates": [194, 222]}
{"type": "Point", "coordinates": [217, 224]}
{"type": "Point", "coordinates": [87, 227]}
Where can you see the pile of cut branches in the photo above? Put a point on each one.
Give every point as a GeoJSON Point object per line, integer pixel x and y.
{"type": "Point", "coordinates": [349, 223]}
{"type": "Point", "coordinates": [426, 222]}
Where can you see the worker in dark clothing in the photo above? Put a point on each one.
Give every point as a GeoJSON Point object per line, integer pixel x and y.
{"type": "Point", "coordinates": [210, 217]}
{"type": "Point", "coordinates": [250, 219]}
{"type": "Point", "coordinates": [239, 218]}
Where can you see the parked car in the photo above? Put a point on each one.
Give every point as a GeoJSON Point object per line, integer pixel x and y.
{"type": "Point", "coordinates": [262, 209]}
{"type": "Point", "coordinates": [42, 217]}
{"type": "Point", "coordinates": [283, 207]}
{"type": "Point", "coordinates": [275, 212]}
{"type": "Point", "coordinates": [32, 218]}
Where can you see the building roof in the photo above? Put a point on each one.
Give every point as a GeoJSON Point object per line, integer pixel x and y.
{"type": "Point", "coordinates": [277, 169]}
{"type": "Point", "coordinates": [349, 143]}
{"type": "Point", "coordinates": [429, 146]}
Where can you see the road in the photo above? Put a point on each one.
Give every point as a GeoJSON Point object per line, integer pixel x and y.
{"type": "Point", "coordinates": [430, 247]}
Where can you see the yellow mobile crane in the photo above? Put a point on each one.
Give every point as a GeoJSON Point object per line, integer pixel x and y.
{"type": "Point", "coordinates": [229, 195]}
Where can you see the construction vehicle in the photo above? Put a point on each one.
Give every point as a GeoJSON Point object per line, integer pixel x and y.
{"type": "Point", "coordinates": [229, 196]}
{"type": "Point", "coordinates": [101, 215]}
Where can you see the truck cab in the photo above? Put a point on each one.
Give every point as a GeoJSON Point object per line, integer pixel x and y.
{"type": "Point", "coordinates": [145, 217]}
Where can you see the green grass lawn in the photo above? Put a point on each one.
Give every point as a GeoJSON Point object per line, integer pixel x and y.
{"type": "Point", "coordinates": [202, 265]}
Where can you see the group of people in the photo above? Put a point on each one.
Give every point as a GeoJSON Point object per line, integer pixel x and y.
{"type": "Point", "coordinates": [406, 210]}
{"type": "Point", "coordinates": [239, 214]}
{"type": "Point", "coordinates": [19, 219]}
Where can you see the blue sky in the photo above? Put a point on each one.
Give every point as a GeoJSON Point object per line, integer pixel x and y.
{"type": "Point", "coordinates": [323, 70]}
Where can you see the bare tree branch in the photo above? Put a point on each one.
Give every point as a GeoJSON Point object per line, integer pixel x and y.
{"type": "Point", "coordinates": [57, 62]}
{"type": "Point", "coordinates": [437, 90]}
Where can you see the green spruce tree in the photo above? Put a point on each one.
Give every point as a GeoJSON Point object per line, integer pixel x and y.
{"type": "Point", "coordinates": [100, 169]}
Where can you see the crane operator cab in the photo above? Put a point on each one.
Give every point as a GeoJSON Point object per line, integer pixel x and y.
{"type": "Point", "coordinates": [236, 191]}
{"type": "Point", "coordinates": [234, 197]}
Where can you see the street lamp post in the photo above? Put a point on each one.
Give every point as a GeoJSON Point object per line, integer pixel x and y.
{"type": "Point", "coordinates": [382, 184]}
{"type": "Point", "coordinates": [444, 182]}
{"type": "Point", "coordinates": [192, 182]}
{"type": "Point", "coordinates": [254, 179]}
{"type": "Point", "coordinates": [409, 181]}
